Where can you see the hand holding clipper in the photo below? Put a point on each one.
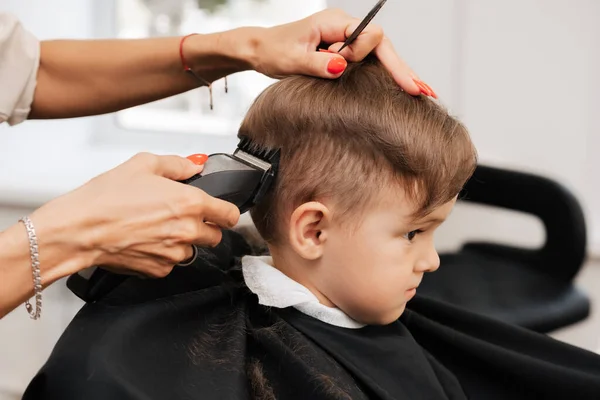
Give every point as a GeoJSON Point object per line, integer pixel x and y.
{"type": "Point", "coordinates": [242, 178]}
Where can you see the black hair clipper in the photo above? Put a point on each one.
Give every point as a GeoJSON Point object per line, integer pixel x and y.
{"type": "Point", "coordinates": [242, 178]}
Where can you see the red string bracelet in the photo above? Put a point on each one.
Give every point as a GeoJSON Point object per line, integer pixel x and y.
{"type": "Point", "coordinates": [186, 68]}
{"type": "Point", "coordinates": [189, 70]}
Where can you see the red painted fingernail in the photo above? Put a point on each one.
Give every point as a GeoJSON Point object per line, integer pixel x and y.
{"type": "Point", "coordinates": [422, 86]}
{"type": "Point", "coordinates": [336, 65]}
{"type": "Point", "coordinates": [198, 159]}
{"type": "Point", "coordinates": [430, 90]}
{"type": "Point", "coordinates": [425, 88]}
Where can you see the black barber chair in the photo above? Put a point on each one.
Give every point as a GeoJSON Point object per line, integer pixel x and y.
{"type": "Point", "coordinates": [530, 288]}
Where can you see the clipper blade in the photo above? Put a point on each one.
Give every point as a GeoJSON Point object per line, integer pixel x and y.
{"type": "Point", "coordinates": [264, 158]}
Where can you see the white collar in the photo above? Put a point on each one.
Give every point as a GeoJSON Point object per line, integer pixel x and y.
{"type": "Point", "coordinates": [275, 289]}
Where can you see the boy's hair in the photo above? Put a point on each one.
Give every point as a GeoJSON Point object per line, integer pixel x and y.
{"type": "Point", "coordinates": [345, 139]}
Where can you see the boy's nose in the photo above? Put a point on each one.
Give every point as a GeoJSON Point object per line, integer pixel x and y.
{"type": "Point", "coordinates": [430, 262]}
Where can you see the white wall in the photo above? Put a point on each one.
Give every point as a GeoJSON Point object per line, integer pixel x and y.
{"type": "Point", "coordinates": [521, 74]}
{"type": "Point", "coordinates": [545, 51]}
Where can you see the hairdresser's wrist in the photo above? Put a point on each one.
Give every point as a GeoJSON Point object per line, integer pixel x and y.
{"type": "Point", "coordinates": [64, 238]}
{"type": "Point", "coordinates": [61, 253]}
{"type": "Point", "coordinates": [215, 55]}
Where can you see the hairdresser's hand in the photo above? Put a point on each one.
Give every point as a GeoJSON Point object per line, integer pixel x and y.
{"type": "Point", "coordinates": [291, 49]}
{"type": "Point", "coordinates": [137, 218]}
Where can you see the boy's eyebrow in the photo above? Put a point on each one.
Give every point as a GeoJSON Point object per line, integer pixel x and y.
{"type": "Point", "coordinates": [429, 220]}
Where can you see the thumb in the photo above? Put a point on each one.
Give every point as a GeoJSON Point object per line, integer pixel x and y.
{"type": "Point", "coordinates": [176, 168]}
{"type": "Point", "coordinates": [324, 64]}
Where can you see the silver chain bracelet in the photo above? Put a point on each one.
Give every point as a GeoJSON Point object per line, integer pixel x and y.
{"type": "Point", "coordinates": [35, 268]}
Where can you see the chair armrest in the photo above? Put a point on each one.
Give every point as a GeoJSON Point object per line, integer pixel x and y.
{"type": "Point", "coordinates": [564, 250]}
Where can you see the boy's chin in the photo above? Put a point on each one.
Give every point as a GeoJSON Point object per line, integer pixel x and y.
{"type": "Point", "coordinates": [384, 318]}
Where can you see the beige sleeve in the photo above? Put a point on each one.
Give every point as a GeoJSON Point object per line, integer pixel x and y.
{"type": "Point", "coordinates": [19, 62]}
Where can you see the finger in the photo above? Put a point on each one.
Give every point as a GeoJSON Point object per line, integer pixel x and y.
{"type": "Point", "coordinates": [176, 168]}
{"type": "Point", "coordinates": [333, 25]}
{"type": "Point", "coordinates": [120, 270]}
{"type": "Point", "coordinates": [217, 211]}
{"type": "Point", "coordinates": [187, 253]}
{"type": "Point", "coordinates": [323, 64]}
{"type": "Point", "coordinates": [184, 256]}
{"type": "Point", "coordinates": [178, 254]}
{"type": "Point", "coordinates": [198, 159]}
{"type": "Point", "coordinates": [141, 269]}
{"type": "Point", "coordinates": [402, 74]}
{"type": "Point", "coordinates": [161, 271]}
{"type": "Point", "coordinates": [364, 44]}
{"type": "Point", "coordinates": [209, 235]}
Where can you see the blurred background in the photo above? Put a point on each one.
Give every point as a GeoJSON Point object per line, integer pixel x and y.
{"type": "Point", "coordinates": [522, 75]}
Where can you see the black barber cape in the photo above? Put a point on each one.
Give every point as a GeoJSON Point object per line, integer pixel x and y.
{"type": "Point", "coordinates": [200, 334]}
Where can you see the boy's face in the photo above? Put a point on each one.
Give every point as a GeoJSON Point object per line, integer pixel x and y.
{"type": "Point", "coordinates": [372, 272]}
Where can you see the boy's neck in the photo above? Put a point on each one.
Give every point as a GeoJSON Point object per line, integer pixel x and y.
{"type": "Point", "coordinates": [299, 270]}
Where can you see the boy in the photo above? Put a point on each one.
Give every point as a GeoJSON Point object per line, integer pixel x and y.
{"type": "Point", "coordinates": [367, 174]}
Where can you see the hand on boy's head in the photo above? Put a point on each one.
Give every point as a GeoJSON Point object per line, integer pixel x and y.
{"type": "Point", "coordinates": [299, 40]}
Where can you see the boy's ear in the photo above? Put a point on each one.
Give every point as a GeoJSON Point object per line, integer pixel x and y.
{"type": "Point", "coordinates": [308, 229]}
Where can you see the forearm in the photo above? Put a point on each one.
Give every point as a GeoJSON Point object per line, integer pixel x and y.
{"type": "Point", "coordinates": [58, 253]}
{"type": "Point", "coordinates": [89, 77]}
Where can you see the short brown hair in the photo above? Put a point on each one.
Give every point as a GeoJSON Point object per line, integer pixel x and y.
{"type": "Point", "coordinates": [347, 138]}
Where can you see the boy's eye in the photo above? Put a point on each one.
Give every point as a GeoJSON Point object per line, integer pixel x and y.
{"type": "Point", "coordinates": [411, 235]}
